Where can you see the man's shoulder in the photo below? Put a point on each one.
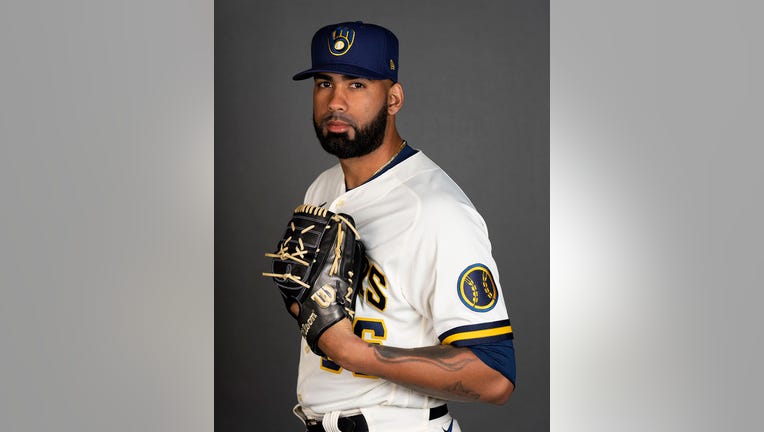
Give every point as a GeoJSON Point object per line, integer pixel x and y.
{"type": "Point", "coordinates": [431, 183]}
{"type": "Point", "coordinates": [440, 206]}
{"type": "Point", "coordinates": [427, 187]}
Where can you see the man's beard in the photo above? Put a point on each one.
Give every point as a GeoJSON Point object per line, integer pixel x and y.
{"type": "Point", "coordinates": [366, 140]}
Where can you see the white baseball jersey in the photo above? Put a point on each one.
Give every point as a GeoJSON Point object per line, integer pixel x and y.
{"type": "Point", "coordinates": [431, 280]}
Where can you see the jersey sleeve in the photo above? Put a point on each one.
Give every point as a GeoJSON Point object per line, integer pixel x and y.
{"type": "Point", "coordinates": [500, 356]}
{"type": "Point", "coordinates": [464, 299]}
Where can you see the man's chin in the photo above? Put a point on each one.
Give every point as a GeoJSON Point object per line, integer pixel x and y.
{"type": "Point", "coordinates": [343, 151]}
{"type": "Point", "coordinates": [353, 142]}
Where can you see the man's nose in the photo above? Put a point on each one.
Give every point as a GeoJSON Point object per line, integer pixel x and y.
{"type": "Point", "coordinates": [337, 101]}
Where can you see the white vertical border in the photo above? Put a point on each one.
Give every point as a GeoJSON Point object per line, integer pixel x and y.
{"type": "Point", "coordinates": [106, 239]}
{"type": "Point", "coordinates": [656, 210]}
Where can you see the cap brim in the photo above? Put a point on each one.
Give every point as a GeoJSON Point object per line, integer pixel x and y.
{"type": "Point", "coordinates": [341, 69]}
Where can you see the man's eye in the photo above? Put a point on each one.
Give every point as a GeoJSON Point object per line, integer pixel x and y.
{"type": "Point", "coordinates": [356, 85]}
{"type": "Point", "coordinates": [323, 84]}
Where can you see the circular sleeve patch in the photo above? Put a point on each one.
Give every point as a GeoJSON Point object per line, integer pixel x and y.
{"type": "Point", "coordinates": [477, 289]}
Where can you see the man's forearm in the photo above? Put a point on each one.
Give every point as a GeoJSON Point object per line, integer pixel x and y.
{"type": "Point", "coordinates": [442, 371]}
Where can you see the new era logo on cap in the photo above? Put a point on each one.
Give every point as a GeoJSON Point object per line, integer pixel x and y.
{"type": "Point", "coordinates": [356, 49]}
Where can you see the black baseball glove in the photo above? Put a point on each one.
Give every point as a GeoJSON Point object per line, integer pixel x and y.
{"type": "Point", "coordinates": [319, 264]}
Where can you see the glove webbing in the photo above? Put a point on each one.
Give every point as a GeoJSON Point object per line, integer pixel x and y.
{"type": "Point", "coordinates": [283, 252]}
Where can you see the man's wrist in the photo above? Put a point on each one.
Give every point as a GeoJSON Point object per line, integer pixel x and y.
{"type": "Point", "coordinates": [342, 346]}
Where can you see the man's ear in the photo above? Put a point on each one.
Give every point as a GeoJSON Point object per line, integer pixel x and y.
{"type": "Point", "coordinates": [394, 98]}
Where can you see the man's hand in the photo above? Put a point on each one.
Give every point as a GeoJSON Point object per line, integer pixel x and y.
{"type": "Point", "coordinates": [317, 266]}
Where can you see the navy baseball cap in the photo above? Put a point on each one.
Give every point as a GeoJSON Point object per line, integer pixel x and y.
{"type": "Point", "coordinates": [355, 49]}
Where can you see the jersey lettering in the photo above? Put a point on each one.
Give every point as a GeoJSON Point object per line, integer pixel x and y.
{"type": "Point", "coordinates": [377, 282]}
{"type": "Point", "coordinates": [330, 366]}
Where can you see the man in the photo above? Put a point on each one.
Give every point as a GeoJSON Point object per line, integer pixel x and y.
{"type": "Point", "coordinates": [430, 324]}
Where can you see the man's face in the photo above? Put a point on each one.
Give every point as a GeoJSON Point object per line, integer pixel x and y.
{"type": "Point", "coordinates": [349, 114]}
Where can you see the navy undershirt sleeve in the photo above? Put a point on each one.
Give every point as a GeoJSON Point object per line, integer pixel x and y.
{"type": "Point", "coordinates": [499, 356]}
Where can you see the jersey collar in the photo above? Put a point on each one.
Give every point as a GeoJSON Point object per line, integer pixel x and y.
{"type": "Point", "coordinates": [405, 153]}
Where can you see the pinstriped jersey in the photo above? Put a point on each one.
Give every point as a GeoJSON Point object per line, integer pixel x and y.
{"type": "Point", "coordinates": [431, 279]}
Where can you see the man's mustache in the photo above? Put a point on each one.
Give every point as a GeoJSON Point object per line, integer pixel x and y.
{"type": "Point", "coordinates": [337, 116]}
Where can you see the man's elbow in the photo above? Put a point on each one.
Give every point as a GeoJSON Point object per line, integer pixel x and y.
{"type": "Point", "coordinates": [500, 391]}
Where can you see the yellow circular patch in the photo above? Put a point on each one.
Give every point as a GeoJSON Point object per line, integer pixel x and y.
{"type": "Point", "coordinates": [477, 289]}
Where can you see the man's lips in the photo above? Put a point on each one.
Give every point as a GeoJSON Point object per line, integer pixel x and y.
{"type": "Point", "coordinates": [335, 126]}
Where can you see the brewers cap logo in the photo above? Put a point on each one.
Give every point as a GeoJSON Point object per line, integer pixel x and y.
{"type": "Point", "coordinates": [477, 289]}
{"type": "Point", "coordinates": [341, 40]}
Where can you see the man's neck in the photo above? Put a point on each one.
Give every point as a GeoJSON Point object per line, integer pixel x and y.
{"type": "Point", "coordinates": [358, 170]}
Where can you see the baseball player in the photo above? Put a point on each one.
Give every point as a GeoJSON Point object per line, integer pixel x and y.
{"type": "Point", "coordinates": [430, 323]}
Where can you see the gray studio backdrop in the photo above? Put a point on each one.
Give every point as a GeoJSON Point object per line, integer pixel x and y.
{"type": "Point", "coordinates": [476, 79]}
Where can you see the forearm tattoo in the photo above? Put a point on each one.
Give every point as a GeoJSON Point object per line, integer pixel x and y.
{"type": "Point", "coordinates": [459, 389]}
{"type": "Point", "coordinates": [444, 357]}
